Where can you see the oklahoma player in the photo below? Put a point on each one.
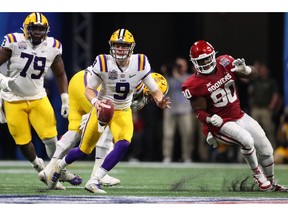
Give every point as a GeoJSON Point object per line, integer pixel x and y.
{"type": "Point", "coordinates": [213, 95]}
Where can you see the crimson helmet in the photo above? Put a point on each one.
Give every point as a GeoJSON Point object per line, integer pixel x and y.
{"type": "Point", "coordinates": [202, 55]}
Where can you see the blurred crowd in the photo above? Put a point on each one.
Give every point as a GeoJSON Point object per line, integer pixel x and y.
{"type": "Point", "coordinates": [175, 135]}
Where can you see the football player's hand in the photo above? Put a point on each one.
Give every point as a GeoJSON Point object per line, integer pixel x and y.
{"type": "Point", "coordinates": [216, 120]}
{"type": "Point", "coordinates": [99, 104]}
{"type": "Point", "coordinates": [65, 105]}
{"type": "Point", "coordinates": [240, 66]}
{"type": "Point", "coordinates": [5, 82]}
{"type": "Point", "coordinates": [83, 121]}
{"type": "Point", "coordinates": [164, 103]}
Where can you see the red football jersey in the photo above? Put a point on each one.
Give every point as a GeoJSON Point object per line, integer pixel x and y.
{"type": "Point", "coordinates": [219, 89]}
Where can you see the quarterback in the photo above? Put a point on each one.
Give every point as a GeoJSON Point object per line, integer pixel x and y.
{"type": "Point", "coordinates": [213, 95]}
{"type": "Point", "coordinates": [119, 75]}
{"type": "Point", "coordinates": [29, 55]}
{"type": "Point", "coordinates": [78, 116]}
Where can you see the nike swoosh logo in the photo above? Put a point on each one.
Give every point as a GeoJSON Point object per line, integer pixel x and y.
{"type": "Point", "coordinates": [130, 76]}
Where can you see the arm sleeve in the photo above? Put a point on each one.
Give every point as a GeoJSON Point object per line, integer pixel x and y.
{"type": "Point", "coordinates": [150, 83]}
{"type": "Point", "coordinates": [201, 115]}
{"type": "Point", "coordinates": [94, 81]}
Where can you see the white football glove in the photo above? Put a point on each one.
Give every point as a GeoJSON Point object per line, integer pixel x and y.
{"type": "Point", "coordinates": [5, 82]}
{"type": "Point", "coordinates": [83, 121]}
{"type": "Point", "coordinates": [65, 105]}
{"type": "Point", "coordinates": [240, 66]}
{"type": "Point", "coordinates": [211, 140]}
{"type": "Point", "coordinates": [216, 120]}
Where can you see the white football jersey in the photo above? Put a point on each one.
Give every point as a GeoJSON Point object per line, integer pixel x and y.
{"type": "Point", "coordinates": [28, 64]}
{"type": "Point", "coordinates": [118, 85]}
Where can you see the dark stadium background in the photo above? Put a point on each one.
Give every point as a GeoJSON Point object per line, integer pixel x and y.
{"type": "Point", "coordinates": [162, 37]}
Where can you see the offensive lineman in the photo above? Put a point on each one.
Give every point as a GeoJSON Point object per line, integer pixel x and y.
{"type": "Point", "coordinates": [118, 74]}
{"type": "Point", "coordinates": [29, 56]}
{"type": "Point", "coordinates": [213, 94]}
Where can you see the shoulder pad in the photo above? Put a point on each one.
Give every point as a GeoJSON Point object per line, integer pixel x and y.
{"type": "Point", "coordinates": [56, 44]}
{"type": "Point", "coordinates": [11, 38]}
{"type": "Point", "coordinates": [141, 62]}
{"type": "Point", "coordinates": [102, 62]}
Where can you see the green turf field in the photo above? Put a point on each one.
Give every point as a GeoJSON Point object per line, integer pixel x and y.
{"type": "Point", "coordinates": [148, 179]}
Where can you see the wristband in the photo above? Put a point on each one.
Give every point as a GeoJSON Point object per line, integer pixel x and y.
{"type": "Point", "coordinates": [202, 115]}
{"type": "Point", "coordinates": [64, 98]}
{"type": "Point", "coordinates": [94, 100]}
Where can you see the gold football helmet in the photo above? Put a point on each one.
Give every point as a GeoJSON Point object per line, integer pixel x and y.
{"type": "Point", "coordinates": [160, 81]}
{"type": "Point", "coordinates": [36, 28]}
{"type": "Point", "coordinates": [121, 44]}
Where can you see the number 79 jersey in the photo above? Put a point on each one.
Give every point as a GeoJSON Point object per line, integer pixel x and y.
{"type": "Point", "coordinates": [219, 89]}
{"type": "Point", "coordinates": [28, 65]}
{"type": "Point", "coordinates": [118, 85]}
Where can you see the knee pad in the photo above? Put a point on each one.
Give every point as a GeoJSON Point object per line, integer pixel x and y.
{"type": "Point", "coordinates": [246, 141]}
{"type": "Point", "coordinates": [50, 146]}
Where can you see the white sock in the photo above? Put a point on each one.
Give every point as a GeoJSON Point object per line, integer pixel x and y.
{"type": "Point", "coordinates": [62, 164]}
{"type": "Point", "coordinates": [50, 165]}
{"type": "Point", "coordinates": [67, 142]}
{"type": "Point", "coordinates": [100, 173]}
{"type": "Point", "coordinates": [50, 146]}
{"type": "Point", "coordinates": [101, 152]}
{"type": "Point", "coordinates": [35, 162]}
{"type": "Point", "coordinates": [37, 165]}
{"type": "Point", "coordinates": [97, 165]}
{"type": "Point", "coordinates": [267, 164]}
{"type": "Point", "coordinates": [250, 157]}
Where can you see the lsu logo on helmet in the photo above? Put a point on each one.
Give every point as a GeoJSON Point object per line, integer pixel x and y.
{"type": "Point", "coordinates": [160, 81]}
{"type": "Point", "coordinates": [125, 39]}
{"type": "Point", "coordinates": [36, 28]}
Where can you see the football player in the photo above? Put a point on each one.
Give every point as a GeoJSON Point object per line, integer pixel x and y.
{"type": "Point", "coordinates": [213, 95]}
{"type": "Point", "coordinates": [105, 144]}
{"type": "Point", "coordinates": [78, 116]}
{"type": "Point", "coordinates": [29, 55]}
{"type": "Point", "coordinates": [118, 74]}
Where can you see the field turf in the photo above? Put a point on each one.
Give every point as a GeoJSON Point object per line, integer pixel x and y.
{"type": "Point", "coordinates": [147, 180]}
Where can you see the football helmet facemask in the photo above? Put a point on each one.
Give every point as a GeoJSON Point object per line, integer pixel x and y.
{"type": "Point", "coordinates": [202, 55]}
{"type": "Point", "coordinates": [160, 81]}
{"type": "Point", "coordinates": [36, 28]}
{"type": "Point", "coordinates": [121, 44]}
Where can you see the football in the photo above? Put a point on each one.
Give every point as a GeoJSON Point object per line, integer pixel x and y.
{"type": "Point", "coordinates": [106, 113]}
